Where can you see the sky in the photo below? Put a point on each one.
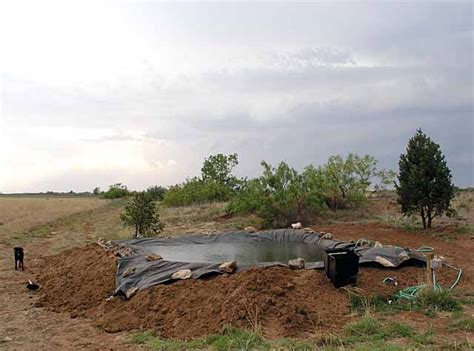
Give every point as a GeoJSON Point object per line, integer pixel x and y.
{"type": "Point", "coordinates": [94, 93]}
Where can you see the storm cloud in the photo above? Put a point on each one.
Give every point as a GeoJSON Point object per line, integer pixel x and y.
{"type": "Point", "coordinates": [145, 91]}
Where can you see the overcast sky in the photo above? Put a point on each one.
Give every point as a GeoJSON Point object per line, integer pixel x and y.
{"type": "Point", "coordinates": [141, 93]}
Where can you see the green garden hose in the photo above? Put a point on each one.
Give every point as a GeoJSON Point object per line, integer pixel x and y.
{"type": "Point", "coordinates": [412, 291]}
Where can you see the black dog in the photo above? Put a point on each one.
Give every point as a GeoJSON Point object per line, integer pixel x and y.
{"type": "Point", "coordinates": [19, 256]}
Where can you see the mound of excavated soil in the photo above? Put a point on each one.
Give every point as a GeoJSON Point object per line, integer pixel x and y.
{"type": "Point", "coordinates": [280, 301]}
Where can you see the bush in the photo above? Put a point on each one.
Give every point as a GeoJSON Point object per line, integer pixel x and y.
{"type": "Point", "coordinates": [141, 213]}
{"type": "Point", "coordinates": [345, 182]}
{"type": "Point", "coordinates": [196, 190]}
{"type": "Point", "coordinates": [280, 196]}
{"type": "Point", "coordinates": [157, 192]}
{"type": "Point", "coordinates": [116, 191]}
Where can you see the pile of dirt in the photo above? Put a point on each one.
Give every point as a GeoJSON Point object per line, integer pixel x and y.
{"type": "Point", "coordinates": [279, 301]}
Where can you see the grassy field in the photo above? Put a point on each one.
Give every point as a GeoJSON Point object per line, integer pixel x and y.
{"type": "Point", "coordinates": [64, 222]}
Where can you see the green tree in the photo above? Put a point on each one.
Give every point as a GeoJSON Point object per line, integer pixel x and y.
{"type": "Point", "coordinates": [96, 191]}
{"type": "Point", "coordinates": [218, 168]}
{"type": "Point", "coordinates": [345, 181]}
{"type": "Point", "coordinates": [424, 181]}
{"type": "Point", "coordinates": [140, 212]}
{"type": "Point", "coordinates": [116, 191]}
{"type": "Point", "coordinates": [156, 192]}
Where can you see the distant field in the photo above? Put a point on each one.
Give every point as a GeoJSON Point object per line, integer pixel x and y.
{"type": "Point", "coordinates": [21, 214]}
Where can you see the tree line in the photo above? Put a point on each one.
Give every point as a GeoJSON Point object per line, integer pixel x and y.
{"type": "Point", "coordinates": [281, 195]}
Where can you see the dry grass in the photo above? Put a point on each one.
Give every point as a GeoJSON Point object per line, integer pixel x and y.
{"type": "Point", "coordinates": [21, 214]}
{"type": "Point", "coordinates": [204, 219]}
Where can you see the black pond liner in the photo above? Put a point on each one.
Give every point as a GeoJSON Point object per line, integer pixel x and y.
{"type": "Point", "coordinates": [203, 254]}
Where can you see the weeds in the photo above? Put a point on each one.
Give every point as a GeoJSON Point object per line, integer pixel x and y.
{"type": "Point", "coordinates": [405, 223]}
{"type": "Point", "coordinates": [464, 324]}
{"type": "Point", "coordinates": [230, 339]}
{"type": "Point", "coordinates": [370, 329]}
{"type": "Point", "coordinates": [436, 301]}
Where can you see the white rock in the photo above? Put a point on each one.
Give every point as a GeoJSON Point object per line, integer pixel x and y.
{"type": "Point", "coordinates": [378, 244]}
{"type": "Point", "coordinates": [129, 271]}
{"type": "Point", "coordinates": [251, 229]}
{"type": "Point", "coordinates": [309, 230]}
{"type": "Point", "coordinates": [182, 274]}
{"type": "Point", "coordinates": [297, 225]}
{"type": "Point", "coordinates": [228, 267]}
{"type": "Point", "coordinates": [130, 292]}
{"type": "Point", "coordinates": [327, 236]}
{"type": "Point", "coordinates": [297, 263]}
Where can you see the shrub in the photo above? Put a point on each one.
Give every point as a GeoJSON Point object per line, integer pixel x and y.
{"type": "Point", "coordinates": [116, 191]}
{"type": "Point", "coordinates": [156, 192]}
{"type": "Point", "coordinates": [216, 183]}
{"type": "Point", "coordinates": [280, 196]}
{"type": "Point", "coordinates": [141, 213]}
{"type": "Point", "coordinates": [344, 182]}
{"type": "Point", "coordinates": [196, 190]}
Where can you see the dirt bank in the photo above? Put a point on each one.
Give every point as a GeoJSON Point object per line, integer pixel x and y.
{"type": "Point", "coordinates": [278, 300]}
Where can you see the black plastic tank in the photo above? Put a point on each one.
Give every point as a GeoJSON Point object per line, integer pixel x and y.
{"type": "Point", "coordinates": [341, 266]}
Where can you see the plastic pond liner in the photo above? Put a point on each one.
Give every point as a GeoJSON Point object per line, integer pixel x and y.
{"type": "Point", "coordinates": [203, 254]}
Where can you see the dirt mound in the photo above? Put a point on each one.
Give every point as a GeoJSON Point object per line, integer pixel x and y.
{"type": "Point", "coordinates": [280, 301]}
{"type": "Point", "coordinates": [76, 280]}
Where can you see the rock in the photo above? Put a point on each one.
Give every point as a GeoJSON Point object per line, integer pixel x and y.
{"type": "Point", "coordinates": [328, 236]}
{"type": "Point", "coordinates": [153, 257]}
{"type": "Point", "coordinates": [129, 271]}
{"type": "Point", "coordinates": [130, 292]}
{"type": "Point", "coordinates": [297, 263]}
{"type": "Point", "coordinates": [378, 244]}
{"type": "Point", "coordinates": [403, 256]}
{"type": "Point", "coordinates": [309, 230]}
{"type": "Point", "coordinates": [110, 298]}
{"type": "Point", "coordinates": [228, 267]}
{"type": "Point", "coordinates": [118, 250]}
{"type": "Point", "coordinates": [7, 338]}
{"type": "Point", "coordinates": [182, 274]}
{"type": "Point", "coordinates": [297, 225]}
{"type": "Point", "coordinates": [251, 229]}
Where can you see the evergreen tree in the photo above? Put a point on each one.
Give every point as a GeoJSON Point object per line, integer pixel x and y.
{"type": "Point", "coordinates": [424, 182]}
{"type": "Point", "coordinates": [141, 213]}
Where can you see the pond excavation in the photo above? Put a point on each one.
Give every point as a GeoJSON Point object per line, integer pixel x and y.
{"type": "Point", "coordinates": [151, 261]}
{"type": "Point", "coordinates": [90, 282]}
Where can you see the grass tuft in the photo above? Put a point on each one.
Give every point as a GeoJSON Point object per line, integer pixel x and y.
{"type": "Point", "coordinates": [436, 301]}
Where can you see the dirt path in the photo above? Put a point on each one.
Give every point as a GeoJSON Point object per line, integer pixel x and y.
{"type": "Point", "coordinates": [25, 327]}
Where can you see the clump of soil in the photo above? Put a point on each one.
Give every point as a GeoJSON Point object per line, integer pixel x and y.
{"type": "Point", "coordinates": [279, 301]}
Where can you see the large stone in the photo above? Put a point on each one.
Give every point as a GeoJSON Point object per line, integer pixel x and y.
{"type": "Point", "coordinates": [297, 225]}
{"type": "Point", "coordinates": [297, 263]}
{"type": "Point", "coordinates": [182, 274]}
{"type": "Point", "coordinates": [130, 292]}
{"type": "Point", "coordinates": [309, 230]}
{"type": "Point", "coordinates": [129, 271]}
{"type": "Point", "coordinates": [250, 229]}
{"type": "Point", "coordinates": [153, 257]}
{"type": "Point", "coordinates": [327, 236]}
{"type": "Point", "coordinates": [228, 267]}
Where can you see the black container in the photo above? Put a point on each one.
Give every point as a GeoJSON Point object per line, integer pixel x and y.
{"type": "Point", "coordinates": [341, 266]}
